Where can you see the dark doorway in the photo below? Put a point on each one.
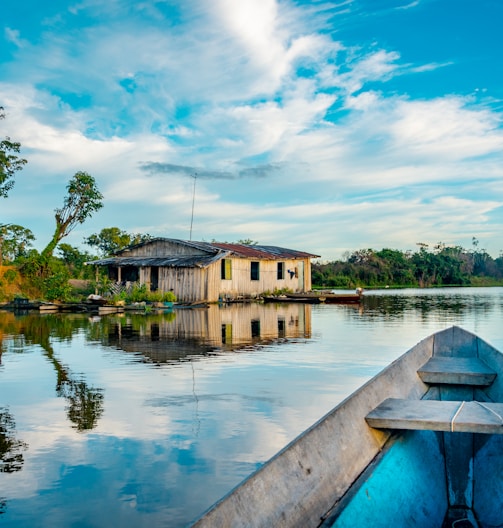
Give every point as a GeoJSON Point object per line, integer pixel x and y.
{"type": "Point", "coordinates": [154, 278]}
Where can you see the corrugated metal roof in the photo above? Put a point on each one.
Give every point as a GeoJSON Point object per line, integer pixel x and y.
{"type": "Point", "coordinates": [195, 261]}
{"type": "Point", "coordinates": [263, 252]}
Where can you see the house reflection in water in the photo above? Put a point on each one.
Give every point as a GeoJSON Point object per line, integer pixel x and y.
{"type": "Point", "coordinates": [170, 337]}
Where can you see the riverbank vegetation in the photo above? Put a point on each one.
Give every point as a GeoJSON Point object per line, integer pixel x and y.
{"type": "Point", "coordinates": [440, 265]}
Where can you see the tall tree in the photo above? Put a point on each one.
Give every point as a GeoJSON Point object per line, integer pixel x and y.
{"type": "Point", "coordinates": [83, 199]}
{"type": "Point", "coordinates": [9, 162]}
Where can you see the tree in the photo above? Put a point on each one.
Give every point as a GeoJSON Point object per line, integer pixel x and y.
{"type": "Point", "coordinates": [247, 242]}
{"type": "Point", "coordinates": [83, 199]}
{"type": "Point", "coordinates": [14, 241]}
{"type": "Point", "coordinates": [9, 162]}
{"type": "Point", "coordinates": [112, 239]}
{"type": "Point", "coordinates": [75, 260]}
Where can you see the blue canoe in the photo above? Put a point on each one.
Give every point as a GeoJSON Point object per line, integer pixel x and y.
{"type": "Point", "coordinates": [421, 444]}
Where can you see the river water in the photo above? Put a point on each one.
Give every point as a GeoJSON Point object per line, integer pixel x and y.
{"type": "Point", "coordinates": [145, 420]}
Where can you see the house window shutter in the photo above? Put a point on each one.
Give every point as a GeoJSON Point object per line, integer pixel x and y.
{"type": "Point", "coordinates": [226, 269]}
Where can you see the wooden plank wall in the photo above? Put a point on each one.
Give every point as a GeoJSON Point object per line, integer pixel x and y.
{"type": "Point", "coordinates": [242, 286]}
{"type": "Point", "coordinates": [161, 248]}
{"type": "Point", "coordinates": [197, 284]}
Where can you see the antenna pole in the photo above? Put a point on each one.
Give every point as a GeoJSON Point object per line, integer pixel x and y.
{"type": "Point", "coordinates": [193, 200]}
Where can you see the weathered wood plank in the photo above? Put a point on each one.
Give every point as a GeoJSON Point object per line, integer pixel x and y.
{"type": "Point", "coordinates": [434, 415]}
{"type": "Point", "coordinates": [457, 371]}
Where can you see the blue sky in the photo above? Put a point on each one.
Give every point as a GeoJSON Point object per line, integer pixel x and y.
{"type": "Point", "coordinates": [320, 126]}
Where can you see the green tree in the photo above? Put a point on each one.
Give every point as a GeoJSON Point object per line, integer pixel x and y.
{"type": "Point", "coordinates": [75, 260]}
{"type": "Point", "coordinates": [82, 200]}
{"type": "Point", "coordinates": [14, 241]}
{"type": "Point", "coordinates": [9, 162]}
{"type": "Point", "coordinates": [247, 242]}
{"type": "Point", "coordinates": [112, 239]}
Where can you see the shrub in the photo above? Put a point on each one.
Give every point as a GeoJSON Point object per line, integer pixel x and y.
{"type": "Point", "coordinates": [10, 276]}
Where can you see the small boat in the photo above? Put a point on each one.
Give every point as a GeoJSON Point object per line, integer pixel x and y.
{"type": "Point", "coordinates": [421, 444]}
{"type": "Point", "coordinates": [328, 297]}
{"type": "Point", "coordinates": [312, 299]}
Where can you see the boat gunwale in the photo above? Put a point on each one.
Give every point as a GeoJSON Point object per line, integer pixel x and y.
{"type": "Point", "coordinates": [300, 489]}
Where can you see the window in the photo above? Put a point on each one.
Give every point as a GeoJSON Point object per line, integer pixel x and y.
{"type": "Point", "coordinates": [255, 271]}
{"type": "Point", "coordinates": [227, 334]}
{"type": "Point", "coordinates": [226, 269]}
{"type": "Point", "coordinates": [281, 327]}
{"type": "Point", "coordinates": [255, 328]}
{"type": "Point", "coordinates": [281, 271]}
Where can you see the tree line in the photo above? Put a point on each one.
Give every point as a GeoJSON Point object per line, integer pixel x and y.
{"type": "Point", "coordinates": [440, 265]}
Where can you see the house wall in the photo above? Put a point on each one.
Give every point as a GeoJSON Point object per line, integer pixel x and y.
{"type": "Point", "coordinates": [241, 285]}
{"type": "Point", "coordinates": [188, 284]}
{"type": "Point", "coordinates": [161, 248]}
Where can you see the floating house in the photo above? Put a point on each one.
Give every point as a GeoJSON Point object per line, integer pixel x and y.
{"type": "Point", "coordinates": [209, 272]}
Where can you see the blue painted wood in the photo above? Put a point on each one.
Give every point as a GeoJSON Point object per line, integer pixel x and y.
{"type": "Point", "coordinates": [406, 488]}
{"type": "Point", "coordinates": [488, 481]}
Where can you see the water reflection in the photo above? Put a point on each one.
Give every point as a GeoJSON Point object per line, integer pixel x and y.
{"type": "Point", "coordinates": [189, 402]}
{"type": "Point", "coordinates": [84, 402]}
{"type": "Point", "coordinates": [11, 449]}
{"type": "Point", "coordinates": [167, 338]}
{"type": "Point", "coordinates": [444, 302]}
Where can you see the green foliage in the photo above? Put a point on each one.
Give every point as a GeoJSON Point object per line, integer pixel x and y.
{"type": "Point", "coordinates": [9, 162]}
{"type": "Point", "coordinates": [139, 293]}
{"type": "Point", "coordinates": [439, 266]}
{"type": "Point", "coordinates": [14, 241]}
{"type": "Point", "coordinates": [75, 260]}
{"type": "Point", "coordinates": [47, 276]}
{"type": "Point", "coordinates": [82, 200]}
{"type": "Point", "coordinates": [10, 276]}
{"type": "Point", "coordinates": [56, 286]}
{"type": "Point", "coordinates": [112, 239]}
{"type": "Point", "coordinates": [247, 242]}
{"type": "Point", "coordinates": [277, 291]}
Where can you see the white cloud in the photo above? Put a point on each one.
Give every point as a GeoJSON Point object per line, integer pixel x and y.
{"type": "Point", "coordinates": [228, 87]}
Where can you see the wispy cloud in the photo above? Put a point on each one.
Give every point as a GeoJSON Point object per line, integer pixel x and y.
{"type": "Point", "coordinates": [288, 123]}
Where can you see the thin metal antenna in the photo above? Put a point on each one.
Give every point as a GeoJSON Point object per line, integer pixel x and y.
{"type": "Point", "coordinates": [193, 199]}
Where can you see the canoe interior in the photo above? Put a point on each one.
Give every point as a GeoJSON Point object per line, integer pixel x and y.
{"type": "Point", "coordinates": [341, 472]}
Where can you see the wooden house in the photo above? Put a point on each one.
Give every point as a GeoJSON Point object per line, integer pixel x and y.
{"type": "Point", "coordinates": [202, 271]}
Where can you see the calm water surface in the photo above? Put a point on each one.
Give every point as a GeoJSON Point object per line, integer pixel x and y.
{"type": "Point", "coordinates": [146, 420]}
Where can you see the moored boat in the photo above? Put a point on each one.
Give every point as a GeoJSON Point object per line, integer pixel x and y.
{"type": "Point", "coordinates": [421, 444]}
{"type": "Point", "coordinates": [328, 297]}
{"type": "Point", "coordinates": [312, 299]}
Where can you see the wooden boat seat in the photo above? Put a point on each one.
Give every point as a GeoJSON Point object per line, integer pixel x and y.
{"type": "Point", "coordinates": [457, 371]}
{"type": "Point", "coordinates": [435, 415]}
